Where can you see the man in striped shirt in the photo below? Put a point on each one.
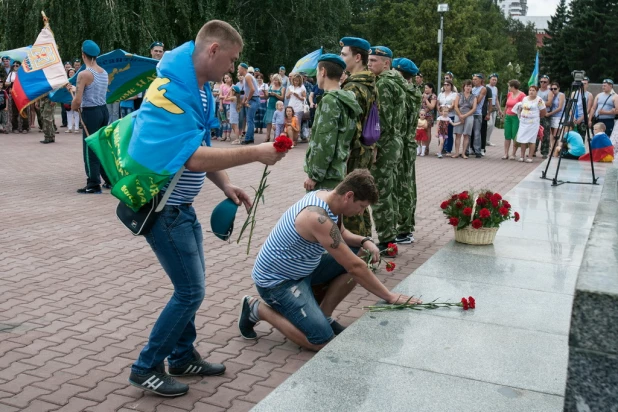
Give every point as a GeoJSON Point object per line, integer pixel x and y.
{"type": "Point", "coordinates": [292, 264]}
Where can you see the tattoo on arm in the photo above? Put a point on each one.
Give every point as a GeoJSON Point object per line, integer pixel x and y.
{"type": "Point", "coordinates": [335, 234]}
{"type": "Point", "coordinates": [323, 216]}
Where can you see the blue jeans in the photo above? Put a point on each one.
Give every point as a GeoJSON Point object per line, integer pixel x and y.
{"type": "Point", "coordinates": [125, 111]}
{"type": "Point", "coordinates": [448, 144]}
{"type": "Point", "coordinates": [294, 300]}
{"type": "Point", "coordinates": [254, 103]}
{"type": "Point", "coordinates": [176, 239]}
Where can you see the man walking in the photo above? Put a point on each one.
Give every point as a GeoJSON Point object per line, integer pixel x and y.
{"type": "Point", "coordinates": [361, 82]}
{"type": "Point", "coordinates": [480, 92]}
{"type": "Point", "coordinates": [333, 129]}
{"type": "Point", "coordinates": [391, 92]}
{"type": "Point", "coordinates": [176, 237]}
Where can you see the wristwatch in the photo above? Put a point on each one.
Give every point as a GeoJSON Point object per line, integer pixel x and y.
{"type": "Point", "coordinates": [365, 239]}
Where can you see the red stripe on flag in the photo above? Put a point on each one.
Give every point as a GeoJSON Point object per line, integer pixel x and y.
{"type": "Point", "coordinates": [19, 96]}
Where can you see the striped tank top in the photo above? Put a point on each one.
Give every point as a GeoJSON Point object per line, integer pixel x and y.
{"type": "Point", "coordinates": [190, 183]}
{"type": "Point", "coordinates": [286, 255]}
{"type": "Point", "coordinates": [96, 92]}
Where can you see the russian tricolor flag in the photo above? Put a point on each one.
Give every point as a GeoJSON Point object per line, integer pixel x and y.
{"type": "Point", "coordinates": [40, 73]}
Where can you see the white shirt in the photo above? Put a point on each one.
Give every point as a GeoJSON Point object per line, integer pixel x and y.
{"type": "Point", "coordinates": [444, 100]}
{"type": "Point", "coordinates": [297, 104]}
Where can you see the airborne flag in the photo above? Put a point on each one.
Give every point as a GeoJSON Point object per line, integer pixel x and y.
{"type": "Point", "coordinates": [41, 71]}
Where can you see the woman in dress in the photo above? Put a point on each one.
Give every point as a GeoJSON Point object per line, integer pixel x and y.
{"type": "Point", "coordinates": [465, 106]}
{"type": "Point", "coordinates": [297, 95]}
{"type": "Point", "coordinates": [447, 99]}
{"type": "Point", "coordinates": [276, 93]}
{"type": "Point", "coordinates": [511, 121]}
{"type": "Point", "coordinates": [429, 104]}
{"type": "Point", "coordinates": [530, 110]}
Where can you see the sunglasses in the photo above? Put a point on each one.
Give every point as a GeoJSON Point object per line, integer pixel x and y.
{"type": "Point", "coordinates": [544, 81]}
{"type": "Point", "coordinates": [554, 88]}
{"type": "Point", "coordinates": [16, 65]}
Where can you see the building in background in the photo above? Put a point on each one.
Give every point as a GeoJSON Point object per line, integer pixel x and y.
{"type": "Point", "coordinates": [513, 7]}
{"type": "Point", "coordinates": [540, 25]}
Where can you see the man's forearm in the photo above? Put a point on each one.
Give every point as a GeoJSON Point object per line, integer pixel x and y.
{"type": "Point", "coordinates": [369, 281]}
{"type": "Point", "coordinates": [209, 159]}
{"type": "Point", "coordinates": [219, 178]}
{"type": "Point", "coordinates": [351, 239]}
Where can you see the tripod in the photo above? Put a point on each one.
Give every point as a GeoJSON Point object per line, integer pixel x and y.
{"type": "Point", "coordinates": [568, 118]}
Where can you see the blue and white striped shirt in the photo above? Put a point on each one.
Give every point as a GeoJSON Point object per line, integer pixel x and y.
{"type": "Point", "coordinates": [286, 255]}
{"type": "Point", "coordinates": [96, 92]}
{"type": "Point", "coordinates": [190, 183]}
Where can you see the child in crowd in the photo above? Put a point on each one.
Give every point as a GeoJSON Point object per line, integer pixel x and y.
{"type": "Point", "coordinates": [291, 125]}
{"type": "Point", "coordinates": [602, 147]}
{"type": "Point", "coordinates": [235, 106]}
{"type": "Point", "coordinates": [4, 109]}
{"type": "Point", "coordinates": [278, 119]}
{"type": "Point", "coordinates": [72, 115]}
{"type": "Point", "coordinates": [574, 147]}
{"type": "Point", "coordinates": [421, 134]}
{"type": "Point", "coordinates": [443, 122]}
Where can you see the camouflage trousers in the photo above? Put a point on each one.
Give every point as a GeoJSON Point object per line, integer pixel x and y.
{"type": "Point", "coordinates": [544, 146]}
{"type": "Point", "coordinates": [406, 188]}
{"type": "Point", "coordinates": [385, 212]}
{"type": "Point", "coordinates": [360, 158]}
{"type": "Point", "coordinates": [4, 121]}
{"type": "Point", "coordinates": [47, 119]}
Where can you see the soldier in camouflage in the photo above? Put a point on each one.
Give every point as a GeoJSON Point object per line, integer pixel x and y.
{"type": "Point", "coordinates": [406, 172]}
{"type": "Point", "coordinates": [391, 94]}
{"type": "Point", "coordinates": [355, 53]}
{"type": "Point", "coordinates": [333, 128]}
{"type": "Point", "coordinates": [46, 107]}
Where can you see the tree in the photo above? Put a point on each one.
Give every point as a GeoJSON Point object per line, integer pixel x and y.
{"type": "Point", "coordinates": [556, 50]}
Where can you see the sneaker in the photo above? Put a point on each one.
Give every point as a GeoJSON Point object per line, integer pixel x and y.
{"type": "Point", "coordinates": [439, 155]}
{"type": "Point", "coordinates": [197, 366]}
{"type": "Point", "coordinates": [158, 382]}
{"type": "Point", "coordinates": [246, 142]}
{"type": "Point", "coordinates": [244, 324]}
{"type": "Point", "coordinates": [25, 131]}
{"type": "Point", "coordinates": [544, 156]}
{"type": "Point", "coordinates": [478, 155]}
{"type": "Point", "coordinates": [68, 131]}
{"type": "Point", "coordinates": [490, 144]}
{"type": "Point", "coordinates": [90, 190]}
{"type": "Point", "coordinates": [107, 186]}
{"type": "Point", "coordinates": [337, 327]}
{"type": "Point", "coordinates": [404, 239]}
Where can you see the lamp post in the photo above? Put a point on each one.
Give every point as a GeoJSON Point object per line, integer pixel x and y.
{"type": "Point", "coordinates": [442, 8]}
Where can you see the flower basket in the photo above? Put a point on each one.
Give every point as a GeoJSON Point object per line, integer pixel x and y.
{"type": "Point", "coordinates": [470, 236]}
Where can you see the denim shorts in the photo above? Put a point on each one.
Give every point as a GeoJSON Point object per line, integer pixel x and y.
{"type": "Point", "coordinates": [294, 300]}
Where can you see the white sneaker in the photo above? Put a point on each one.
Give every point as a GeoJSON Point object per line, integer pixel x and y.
{"type": "Point", "coordinates": [68, 131]}
{"type": "Point", "coordinates": [490, 144]}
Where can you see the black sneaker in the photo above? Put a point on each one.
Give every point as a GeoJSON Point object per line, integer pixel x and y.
{"type": "Point", "coordinates": [158, 382]}
{"type": "Point", "coordinates": [244, 324]}
{"type": "Point", "coordinates": [107, 186]}
{"type": "Point", "coordinates": [337, 327]}
{"type": "Point", "coordinates": [404, 239]}
{"type": "Point", "coordinates": [198, 366]}
{"type": "Point", "coordinates": [246, 142]}
{"type": "Point", "coordinates": [90, 190]}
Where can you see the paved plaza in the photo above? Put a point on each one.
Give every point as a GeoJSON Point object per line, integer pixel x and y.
{"type": "Point", "coordinates": [79, 294]}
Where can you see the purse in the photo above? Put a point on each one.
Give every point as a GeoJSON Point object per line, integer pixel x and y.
{"type": "Point", "coordinates": [139, 223]}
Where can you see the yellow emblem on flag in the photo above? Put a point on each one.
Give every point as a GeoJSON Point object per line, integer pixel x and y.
{"type": "Point", "coordinates": [157, 97]}
{"type": "Point", "coordinates": [40, 56]}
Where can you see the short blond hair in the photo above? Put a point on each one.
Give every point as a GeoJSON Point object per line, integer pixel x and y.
{"type": "Point", "coordinates": [276, 78]}
{"type": "Point", "coordinates": [279, 104]}
{"type": "Point", "coordinates": [601, 126]}
{"type": "Point", "coordinates": [218, 31]}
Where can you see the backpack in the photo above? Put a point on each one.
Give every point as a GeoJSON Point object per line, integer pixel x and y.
{"type": "Point", "coordinates": [371, 129]}
{"type": "Point", "coordinates": [3, 98]}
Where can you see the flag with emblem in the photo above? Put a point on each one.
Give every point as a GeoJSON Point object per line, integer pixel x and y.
{"type": "Point", "coordinates": [41, 71]}
{"type": "Point", "coordinates": [309, 63]}
{"type": "Point", "coordinates": [142, 151]}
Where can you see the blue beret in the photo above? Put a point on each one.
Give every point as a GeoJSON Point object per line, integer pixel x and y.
{"type": "Point", "coordinates": [257, 69]}
{"type": "Point", "coordinates": [479, 75]}
{"type": "Point", "coordinates": [496, 75]}
{"type": "Point", "coordinates": [396, 61]}
{"type": "Point", "coordinates": [222, 219]}
{"type": "Point", "coordinates": [236, 89]}
{"type": "Point", "coordinates": [608, 81]}
{"type": "Point", "coordinates": [381, 51]}
{"type": "Point", "coordinates": [355, 42]}
{"type": "Point", "coordinates": [333, 58]}
{"type": "Point", "coordinates": [6, 57]}
{"type": "Point", "coordinates": [244, 65]}
{"type": "Point", "coordinates": [545, 77]}
{"type": "Point", "coordinates": [282, 68]}
{"type": "Point", "coordinates": [91, 48]}
{"type": "Point", "coordinates": [156, 44]}
{"type": "Point", "coordinates": [406, 66]}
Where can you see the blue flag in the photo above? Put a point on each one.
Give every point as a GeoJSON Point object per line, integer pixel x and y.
{"type": "Point", "coordinates": [534, 79]}
{"type": "Point", "coordinates": [308, 64]}
{"type": "Point", "coordinates": [129, 74]}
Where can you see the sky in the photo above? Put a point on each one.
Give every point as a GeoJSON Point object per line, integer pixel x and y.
{"type": "Point", "coordinates": [543, 7]}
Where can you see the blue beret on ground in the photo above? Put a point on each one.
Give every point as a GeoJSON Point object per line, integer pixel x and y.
{"type": "Point", "coordinates": [333, 58]}
{"type": "Point", "coordinates": [222, 219]}
{"type": "Point", "coordinates": [355, 42]}
{"type": "Point", "coordinates": [381, 51]}
{"type": "Point", "coordinates": [91, 48]}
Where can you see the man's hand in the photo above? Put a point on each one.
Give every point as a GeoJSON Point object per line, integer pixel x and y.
{"type": "Point", "coordinates": [237, 195]}
{"type": "Point", "coordinates": [397, 299]}
{"type": "Point", "coordinates": [371, 248]}
{"type": "Point", "coordinates": [488, 117]}
{"type": "Point", "coordinates": [267, 154]}
{"type": "Point", "coordinates": [309, 184]}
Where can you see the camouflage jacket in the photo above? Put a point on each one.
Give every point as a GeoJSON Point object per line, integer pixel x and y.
{"type": "Point", "coordinates": [414, 99]}
{"type": "Point", "coordinates": [362, 84]}
{"type": "Point", "coordinates": [334, 126]}
{"type": "Point", "coordinates": [391, 90]}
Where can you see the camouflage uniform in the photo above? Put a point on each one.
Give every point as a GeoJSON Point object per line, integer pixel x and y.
{"type": "Point", "coordinates": [362, 84]}
{"type": "Point", "coordinates": [406, 172]}
{"type": "Point", "coordinates": [391, 94]}
{"type": "Point", "coordinates": [334, 126]}
{"type": "Point", "coordinates": [47, 119]}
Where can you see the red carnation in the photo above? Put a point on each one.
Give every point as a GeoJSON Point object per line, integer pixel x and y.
{"type": "Point", "coordinates": [477, 224]}
{"type": "Point", "coordinates": [471, 302]}
{"type": "Point", "coordinates": [463, 195]}
{"type": "Point", "coordinates": [481, 201]}
{"type": "Point", "coordinates": [283, 143]}
{"type": "Point", "coordinates": [485, 213]}
{"type": "Point", "coordinates": [516, 217]}
{"type": "Point", "coordinates": [444, 205]}
{"type": "Point", "coordinates": [453, 221]}
{"type": "Point", "coordinates": [495, 203]}
{"type": "Point", "coordinates": [390, 266]}
{"type": "Point", "coordinates": [496, 196]}
{"type": "Point", "coordinates": [467, 211]}
{"type": "Point", "coordinates": [488, 194]}
{"type": "Point", "coordinates": [454, 197]}
{"type": "Point", "coordinates": [464, 303]}
{"type": "Point", "coordinates": [459, 205]}
{"type": "Point", "coordinates": [391, 249]}
{"type": "Point", "coordinates": [504, 211]}
{"type": "Point", "coordinates": [506, 204]}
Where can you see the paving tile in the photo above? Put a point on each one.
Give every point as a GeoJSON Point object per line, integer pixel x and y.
{"type": "Point", "coordinates": [23, 398]}
{"type": "Point", "coordinates": [224, 397]}
{"type": "Point", "coordinates": [111, 403]}
{"type": "Point", "coordinates": [40, 406]}
{"type": "Point", "coordinates": [62, 396]}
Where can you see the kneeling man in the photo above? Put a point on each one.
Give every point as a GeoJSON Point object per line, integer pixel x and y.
{"type": "Point", "coordinates": [292, 262]}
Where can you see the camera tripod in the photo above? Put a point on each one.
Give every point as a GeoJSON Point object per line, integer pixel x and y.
{"type": "Point", "coordinates": [568, 118]}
